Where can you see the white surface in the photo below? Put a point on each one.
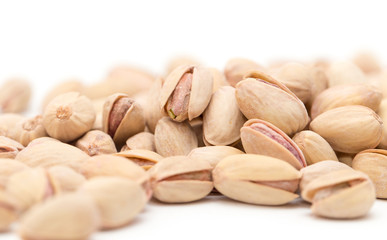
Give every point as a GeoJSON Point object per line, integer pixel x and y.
{"type": "Point", "coordinates": [50, 41]}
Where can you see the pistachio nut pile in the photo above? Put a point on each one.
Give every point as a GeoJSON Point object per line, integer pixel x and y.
{"type": "Point", "coordinates": [97, 154]}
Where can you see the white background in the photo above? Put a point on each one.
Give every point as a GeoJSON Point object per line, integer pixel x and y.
{"type": "Point", "coordinates": [50, 41]}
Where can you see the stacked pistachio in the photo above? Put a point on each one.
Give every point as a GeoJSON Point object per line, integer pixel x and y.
{"type": "Point", "coordinates": [260, 135]}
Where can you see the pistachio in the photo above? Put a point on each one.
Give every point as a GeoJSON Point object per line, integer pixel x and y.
{"type": "Point", "coordinates": [180, 179]}
{"type": "Point", "coordinates": [222, 119]}
{"type": "Point", "coordinates": [65, 217]}
{"type": "Point", "coordinates": [345, 158]}
{"type": "Point", "coordinates": [68, 116]}
{"type": "Point", "coordinates": [344, 72]}
{"type": "Point", "coordinates": [237, 68]}
{"type": "Point", "coordinates": [261, 137]}
{"type": "Point", "coordinates": [314, 147]}
{"type": "Point", "coordinates": [65, 179]}
{"type": "Point", "coordinates": [119, 200]}
{"type": "Point", "coordinates": [47, 153]}
{"type": "Point", "coordinates": [29, 129]}
{"type": "Point", "coordinates": [373, 162]}
{"type": "Point", "coordinates": [8, 167]}
{"type": "Point", "coordinates": [256, 179]}
{"type": "Point", "coordinates": [219, 79]}
{"type": "Point", "coordinates": [367, 62]}
{"type": "Point", "coordinates": [319, 82]}
{"type": "Point", "coordinates": [70, 85]}
{"type": "Point", "coordinates": [96, 142]}
{"type": "Point", "coordinates": [143, 140]}
{"type": "Point", "coordinates": [144, 158]}
{"type": "Point", "coordinates": [14, 95]}
{"type": "Point", "coordinates": [8, 122]}
{"type": "Point", "coordinates": [9, 148]}
{"type": "Point", "coordinates": [180, 61]}
{"type": "Point", "coordinates": [343, 126]}
{"type": "Point", "coordinates": [98, 107]}
{"type": "Point", "coordinates": [186, 92]}
{"type": "Point", "coordinates": [197, 126]}
{"type": "Point", "coordinates": [318, 169]}
{"type": "Point", "coordinates": [344, 95]}
{"type": "Point", "coordinates": [174, 138]}
{"type": "Point", "coordinates": [8, 213]}
{"type": "Point", "coordinates": [340, 194]}
{"type": "Point", "coordinates": [213, 154]}
{"type": "Point", "coordinates": [122, 118]}
{"type": "Point", "coordinates": [152, 111]}
{"type": "Point", "coordinates": [259, 94]}
{"type": "Point", "coordinates": [383, 115]}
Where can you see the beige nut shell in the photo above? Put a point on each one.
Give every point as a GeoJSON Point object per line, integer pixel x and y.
{"type": "Point", "coordinates": [141, 155]}
{"type": "Point", "coordinates": [213, 154]}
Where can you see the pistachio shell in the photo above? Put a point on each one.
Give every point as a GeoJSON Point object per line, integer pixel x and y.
{"type": "Point", "coordinates": [7, 211]}
{"type": "Point", "coordinates": [180, 61]}
{"type": "Point", "coordinates": [344, 95]}
{"type": "Point", "coordinates": [271, 141]}
{"type": "Point", "coordinates": [197, 126]}
{"type": "Point", "coordinates": [222, 119]}
{"type": "Point", "coordinates": [373, 162]}
{"type": "Point", "coordinates": [144, 158]}
{"type": "Point", "coordinates": [237, 68]}
{"type": "Point", "coordinates": [174, 138]}
{"type": "Point", "coordinates": [265, 98]}
{"type": "Point", "coordinates": [9, 148]}
{"type": "Point", "coordinates": [8, 122]}
{"type": "Point", "coordinates": [247, 178]}
{"type": "Point", "coordinates": [345, 158]}
{"type": "Point", "coordinates": [367, 62]}
{"type": "Point", "coordinates": [344, 72]}
{"type": "Point", "coordinates": [96, 142]}
{"type": "Point", "coordinates": [119, 200]}
{"type": "Point", "coordinates": [180, 179]}
{"type": "Point", "coordinates": [383, 115]}
{"type": "Point", "coordinates": [14, 95]}
{"type": "Point", "coordinates": [71, 85]}
{"type": "Point", "coordinates": [218, 78]}
{"type": "Point", "coordinates": [71, 216]}
{"type": "Point", "coordinates": [314, 147]}
{"type": "Point", "coordinates": [29, 129]}
{"type": "Point", "coordinates": [8, 167]}
{"type": "Point", "coordinates": [65, 179]}
{"type": "Point", "coordinates": [143, 140]}
{"type": "Point", "coordinates": [152, 111]}
{"type": "Point", "coordinates": [132, 121]}
{"type": "Point", "coordinates": [319, 83]}
{"type": "Point", "coordinates": [213, 154]}
{"type": "Point", "coordinates": [349, 129]}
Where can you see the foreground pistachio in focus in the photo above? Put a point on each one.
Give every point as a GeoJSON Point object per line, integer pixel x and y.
{"type": "Point", "coordinates": [8, 213]}
{"type": "Point", "coordinates": [344, 95]}
{"type": "Point", "coordinates": [142, 140]}
{"type": "Point", "coordinates": [256, 179]}
{"type": "Point", "coordinates": [222, 119]}
{"type": "Point", "coordinates": [65, 217]}
{"type": "Point", "coordinates": [180, 179]}
{"type": "Point", "coordinates": [237, 68]}
{"type": "Point", "coordinates": [14, 95]}
{"type": "Point", "coordinates": [8, 167]}
{"type": "Point", "coordinates": [373, 162]}
{"type": "Point", "coordinates": [9, 148]}
{"type": "Point", "coordinates": [314, 147]}
{"type": "Point", "coordinates": [118, 200]}
{"type": "Point", "coordinates": [174, 138]}
{"type": "Point", "coordinates": [144, 158]}
{"type": "Point", "coordinates": [122, 118]}
{"type": "Point", "coordinates": [261, 137]}
{"type": "Point", "coordinates": [261, 96]}
{"type": "Point", "coordinates": [349, 129]}
{"type": "Point", "coordinates": [213, 154]}
{"type": "Point", "coordinates": [68, 116]}
{"type": "Point", "coordinates": [186, 92]}
{"type": "Point", "coordinates": [340, 194]}
{"type": "Point", "coordinates": [96, 142]}
{"type": "Point", "coordinates": [29, 129]}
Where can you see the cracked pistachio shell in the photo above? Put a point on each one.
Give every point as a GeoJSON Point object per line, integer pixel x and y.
{"type": "Point", "coordinates": [349, 129]}
{"type": "Point", "coordinates": [143, 140]}
{"type": "Point", "coordinates": [344, 95]}
{"type": "Point", "coordinates": [340, 194]}
{"type": "Point", "coordinates": [9, 148]}
{"type": "Point", "coordinates": [29, 187]}
{"type": "Point", "coordinates": [318, 169]}
{"type": "Point", "coordinates": [119, 200]}
{"type": "Point", "coordinates": [8, 122]}
{"type": "Point", "coordinates": [256, 179]}
{"type": "Point", "coordinates": [8, 167]}
{"type": "Point", "coordinates": [180, 179]}
{"type": "Point", "coordinates": [222, 119]}
{"type": "Point", "coordinates": [110, 165]}
{"type": "Point", "coordinates": [199, 92]}
{"type": "Point", "coordinates": [213, 154]}
{"type": "Point", "coordinates": [261, 96]}
{"type": "Point", "coordinates": [144, 158]}
{"type": "Point", "coordinates": [47, 153]}
{"type": "Point", "coordinates": [344, 72]}
{"type": "Point", "coordinates": [96, 142]}
{"type": "Point", "coordinates": [8, 213]}
{"type": "Point", "coordinates": [373, 162]}
{"type": "Point", "coordinates": [68, 116]}
{"type": "Point", "coordinates": [174, 138]}
{"type": "Point", "coordinates": [71, 85]}
{"type": "Point", "coordinates": [65, 179]}
{"type": "Point", "coordinates": [14, 95]}
{"type": "Point", "coordinates": [64, 217]}
{"type": "Point", "coordinates": [29, 129]}
{"type": "Point", "coordinates": [122, 120]}
{"type": "Point", "coordinates": [237, 68]}
{"type": "Point", "coordinates": [152, 111]}
{"type": "Point", "coordinates": [297, 77]}
{"type": "Point", "coordinates": [261, 137]}
{"type": "Point", "coordinates": [314, 147]}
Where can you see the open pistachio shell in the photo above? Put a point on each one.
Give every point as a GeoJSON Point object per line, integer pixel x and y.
{"type": "Point", "coordinates": [256, 179]}
{"type": "Point", "coordinates": [261, 137]}
{"type": "Point", "coordinates": [122, 121]}
{"type": "Point", "coordinates": [143, 140]}
{"type": "Point", "coordinates": [213, 154]}
{"type": "Point", "coordinates": [8, 167]}
{"type": "Point", "coordinates": [144, 158]}
{"type": "Point", "coordinates": [261, 96]}
{"type": "Point", "coordinates": [9, 148]}
{"type": "Point", "coordinates": [180, 179]}
{"type": "Point", "coordinates": [199, 92]}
